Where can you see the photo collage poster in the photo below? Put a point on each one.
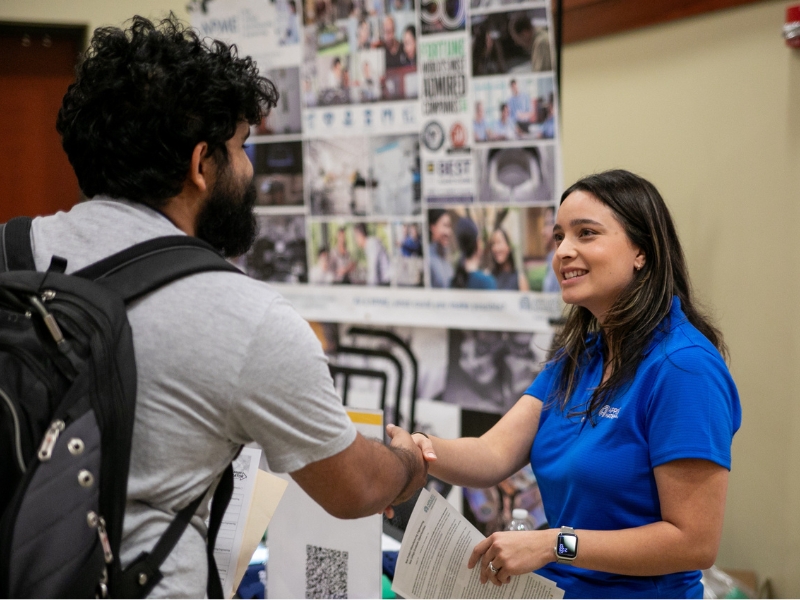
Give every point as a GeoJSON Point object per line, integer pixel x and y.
{"type": "Point", "coordinates": [408, 180]}
{"type": "Point", "coordinates": [414, 147]}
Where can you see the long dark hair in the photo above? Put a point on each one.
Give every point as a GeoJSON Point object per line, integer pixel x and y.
{"type": "Point", "coordinates": [497, 268]}
{"type": "Point", "coordinates": [466, 232]}
{"type": "Point", "coordinates": [639, 310]}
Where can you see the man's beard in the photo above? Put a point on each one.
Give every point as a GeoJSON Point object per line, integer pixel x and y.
{"type": "Point", "coordinates": [227, 221]}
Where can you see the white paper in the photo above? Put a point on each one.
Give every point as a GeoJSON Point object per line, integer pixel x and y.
{"type": "Point", "coordinates": [231, 532]}
{"type": "Point", "coordinates": [269, 490]}
{"type": "Point", "coordinates": [315, 555]}
{"type": "Point", "coordinates": [433, 559]}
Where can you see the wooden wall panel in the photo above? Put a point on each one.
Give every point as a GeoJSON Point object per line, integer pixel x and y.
{"type": "Point", "coordinates": [38, 66]}
{"type": "Point", "coordinates": [586, 19]}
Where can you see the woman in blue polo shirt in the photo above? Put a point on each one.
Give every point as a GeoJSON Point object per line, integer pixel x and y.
{"type": "Point", "coordinates": [629, 426]}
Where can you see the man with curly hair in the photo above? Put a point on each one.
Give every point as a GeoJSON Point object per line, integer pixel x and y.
{"type": "Point", "coordinates": [155, 126]}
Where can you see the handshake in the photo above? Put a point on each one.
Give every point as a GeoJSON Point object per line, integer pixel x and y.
{"type": "Point", "coordinates": [415, 451]}
{"type": "Point", "coordinates": [369, 477]}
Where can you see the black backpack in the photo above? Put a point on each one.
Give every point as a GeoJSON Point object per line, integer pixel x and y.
{"type": "Point", "coordinates": [67, 397]}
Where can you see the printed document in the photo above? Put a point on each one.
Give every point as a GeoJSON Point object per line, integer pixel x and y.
{"type": "Point", "coordinates": [433, 559]}
{"type": "Point", "coordinates": [255, 498]}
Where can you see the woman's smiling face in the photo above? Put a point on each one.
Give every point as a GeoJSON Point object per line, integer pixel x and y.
{"type": "Point", "coordinates": [499, 247]}
{"type": "Point", "coordinates": [594, 258]}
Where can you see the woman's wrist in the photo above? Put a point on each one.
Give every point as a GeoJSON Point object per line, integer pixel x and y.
{"type": "Point", "coordinates": [550, 550]}
{"type": "Point", "coordinates": [428, 452]}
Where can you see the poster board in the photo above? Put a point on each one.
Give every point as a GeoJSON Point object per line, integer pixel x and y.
{"type": "Point", "coordinates": [396, 117]}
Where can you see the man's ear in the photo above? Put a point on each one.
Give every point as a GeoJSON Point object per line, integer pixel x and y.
{"type": "Point", "coordinates": [200, 167]}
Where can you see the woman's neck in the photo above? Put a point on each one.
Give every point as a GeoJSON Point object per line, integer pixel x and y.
{"type": "Point", "coordinates": [472, 263]}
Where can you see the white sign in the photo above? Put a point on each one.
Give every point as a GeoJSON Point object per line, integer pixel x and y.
{"type": "Point", "coordinates": [450, 309]}
{"type": "Point", "coordinates": [315, 555]}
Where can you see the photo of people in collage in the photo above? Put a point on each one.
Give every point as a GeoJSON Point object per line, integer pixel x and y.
{"type": "Point", "coordinates": [359, 51]}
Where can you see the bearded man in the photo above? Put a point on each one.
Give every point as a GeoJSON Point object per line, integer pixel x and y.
{"type": "Point", "coordinates": [155, 127]}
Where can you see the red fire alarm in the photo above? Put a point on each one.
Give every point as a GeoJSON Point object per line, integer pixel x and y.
{"type": "Point", "coordinates": [791, 29]}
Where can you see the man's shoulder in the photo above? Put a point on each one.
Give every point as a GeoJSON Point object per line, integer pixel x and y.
{"type": "Point", "coordinates": [95, 229]}
{"type": "Point", "coordinates": [243, 296]}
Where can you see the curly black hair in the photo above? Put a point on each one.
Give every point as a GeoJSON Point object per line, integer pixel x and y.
{"type": "Point", "coordinates": [144, 97]}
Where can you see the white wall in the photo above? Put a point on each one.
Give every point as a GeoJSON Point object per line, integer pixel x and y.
{"type": "Point", "coordinates": [708, 109]}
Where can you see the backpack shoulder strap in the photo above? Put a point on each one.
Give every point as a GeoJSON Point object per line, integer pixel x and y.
{"type": "Point", "coordinates": [222, 497]}
{"type": "Point", "coordinates": [145, 267]}
{"type": "Point", "coordinates": [15, 245]}
{"type": "Point", "coordinates": [139, 579]}
{"type": "Point", "coordinates": [133, 273]}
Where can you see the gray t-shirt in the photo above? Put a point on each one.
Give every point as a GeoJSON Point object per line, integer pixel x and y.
{"type": "Point", "coordinates": [222, 360]}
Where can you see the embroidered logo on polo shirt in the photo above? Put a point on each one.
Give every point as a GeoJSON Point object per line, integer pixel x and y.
{"type": "Point", "coordinates": [609, 412]}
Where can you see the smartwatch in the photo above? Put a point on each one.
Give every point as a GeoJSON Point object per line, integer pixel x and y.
{"type": "Point", "coordinates": [566, 545]}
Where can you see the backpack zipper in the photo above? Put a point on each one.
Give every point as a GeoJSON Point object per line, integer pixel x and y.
{"type": "Point", "coordinates": [96, 521]}
{"type": "Point", "coordinates": [66, 305]}
{"type": "Point", "coordinates": [17, 432]}
{"type": "Point", "coordinates": [50, 439]}
{"type": "Point", "coordinates": [49, 320]}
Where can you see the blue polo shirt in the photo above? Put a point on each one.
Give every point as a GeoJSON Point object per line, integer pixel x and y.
{"type": "Point", "coordinates": [517, 104]}
{"type": "Point", "coordinates": [478, 280]}
{"type": "Point", "coordinates": [681, 404]}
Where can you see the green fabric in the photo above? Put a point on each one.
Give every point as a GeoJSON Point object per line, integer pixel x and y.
{"type": "Point", "coordinates": [387, 588]}
{"type": "Point", "coordinates": [536, 278]}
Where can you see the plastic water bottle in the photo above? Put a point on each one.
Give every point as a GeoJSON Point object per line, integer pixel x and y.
{"type": "Point", "coordinates": [520, 520]}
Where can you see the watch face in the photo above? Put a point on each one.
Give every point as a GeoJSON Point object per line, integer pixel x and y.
{"type": "Point", "coordinates": [567, 546]}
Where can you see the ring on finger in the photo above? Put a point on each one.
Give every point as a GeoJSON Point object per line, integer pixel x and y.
{"type": "Point", "coordinates": [492, 568]}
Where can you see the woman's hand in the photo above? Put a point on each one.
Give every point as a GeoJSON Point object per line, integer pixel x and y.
{"type": "Point", "coordinates": [507, 553]}
{"type": "Point", "coordinates": [422, 441]}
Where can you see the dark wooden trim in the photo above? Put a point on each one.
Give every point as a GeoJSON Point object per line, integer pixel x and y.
{"type": "Point", "coordinates": [49, 50]}
{"type": "Point", "coordinates": [77, 33]}
{"type": "Point", "coordinates": [587, 19]}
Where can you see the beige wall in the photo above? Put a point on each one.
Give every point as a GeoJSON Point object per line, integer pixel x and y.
{"type": "Point", "coordinates": [708, 109]}
{"type": "Point", "coordinates": [92, 13]}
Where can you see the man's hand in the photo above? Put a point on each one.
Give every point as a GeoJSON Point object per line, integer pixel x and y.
{"type": "Point", "coordinates": [406, 443]}
{"type": "Point", "coordinates": [366, 477]}
{"type": "Point", "coordinates": [411, 455]}
{"type": "Point", "coordinates": [423, 442]}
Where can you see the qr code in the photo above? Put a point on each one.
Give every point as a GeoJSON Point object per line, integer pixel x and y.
{"type": "Point", "coordinates": [326, 573]}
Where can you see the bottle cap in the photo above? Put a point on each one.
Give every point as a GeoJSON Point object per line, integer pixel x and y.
{"type": "Point", "coordinates": [519, 514]}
